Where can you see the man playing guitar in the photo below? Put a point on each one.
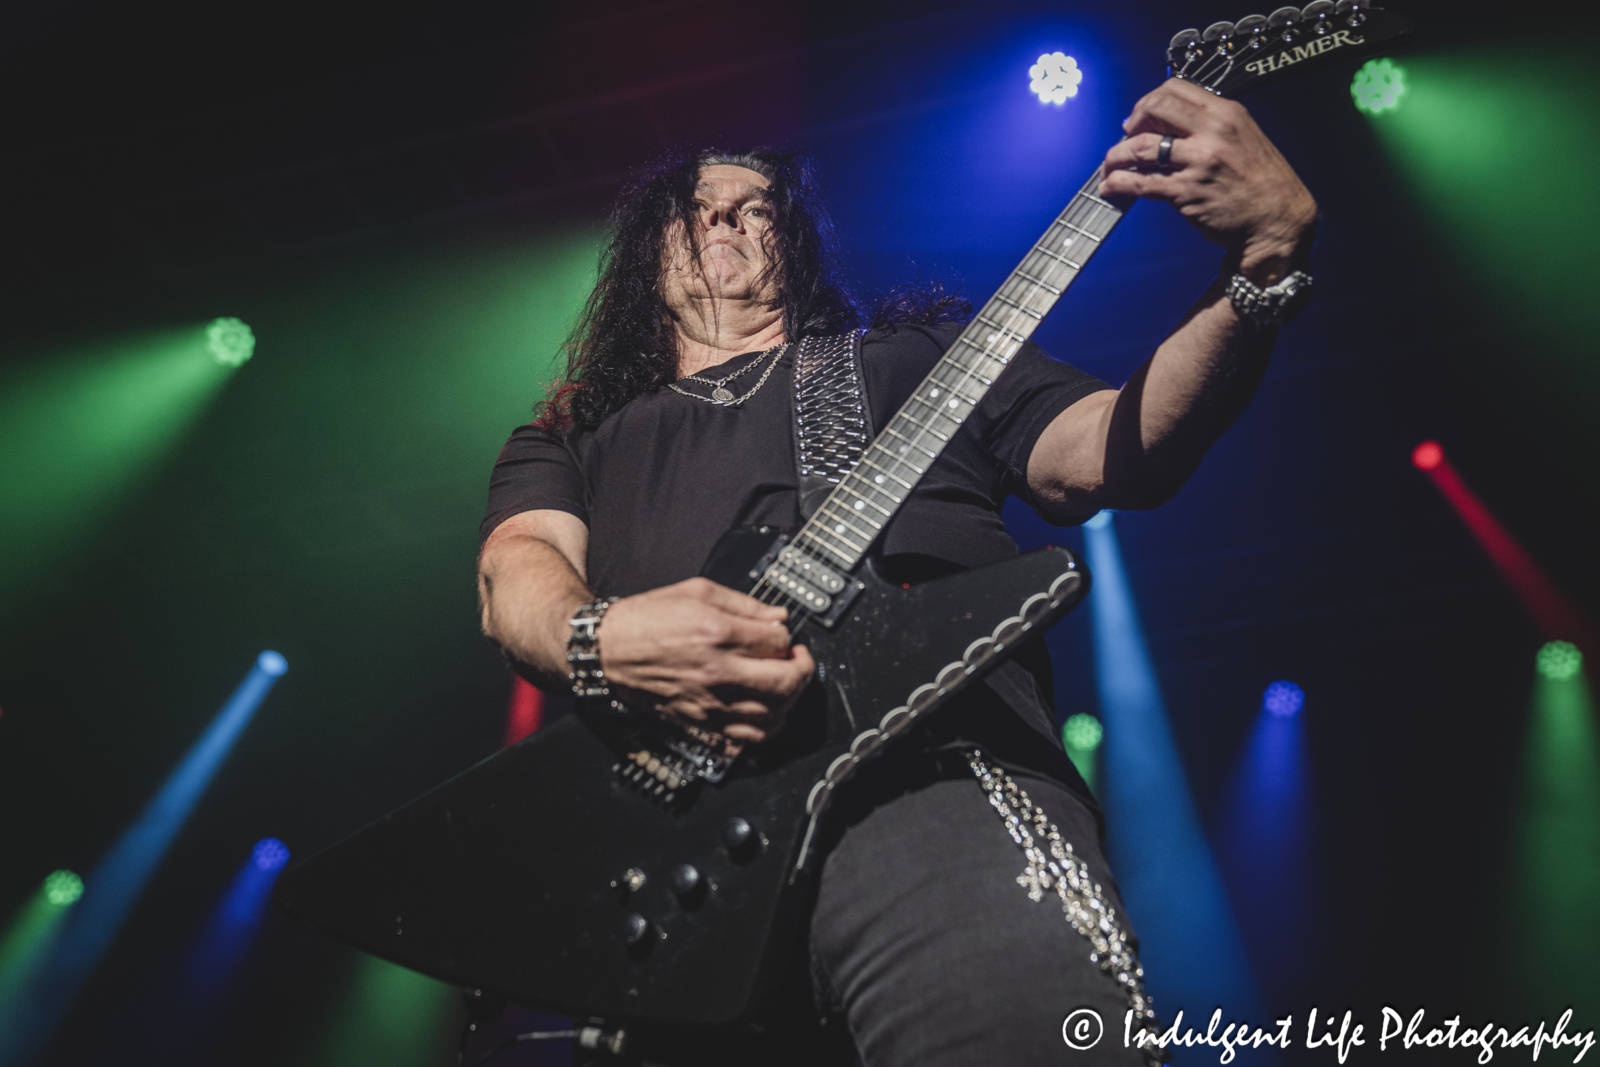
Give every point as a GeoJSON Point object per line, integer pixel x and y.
{"type": "Point", "coordinates": [673, 424]}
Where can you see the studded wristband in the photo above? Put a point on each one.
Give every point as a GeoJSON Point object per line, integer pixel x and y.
{"type": "Point", "coordinates": [1273, 305]}
{"type": "Point", "coordinates": [583, 650]}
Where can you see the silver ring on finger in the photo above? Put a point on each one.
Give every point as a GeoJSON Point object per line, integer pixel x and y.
{"type": "Point", "coordinates": [1164, 153]}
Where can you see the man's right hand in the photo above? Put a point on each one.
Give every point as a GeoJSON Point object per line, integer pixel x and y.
{"type": "Point", "coordinates": [704, 652]}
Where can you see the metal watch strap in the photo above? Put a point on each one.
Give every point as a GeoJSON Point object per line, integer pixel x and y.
{"type": "Point", "coordinates": [1273, 305]}
{"type": "Point", "coordinates": [583, 649]}
{"type": "Point", "coordinates": [831, 423]}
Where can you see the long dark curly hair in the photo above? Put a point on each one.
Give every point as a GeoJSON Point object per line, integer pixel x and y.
{"type": "Point", "coordinates": [624, 343]}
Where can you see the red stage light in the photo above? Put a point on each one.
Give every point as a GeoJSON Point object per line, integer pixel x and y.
{"type": "Point", "coordinates": [1555, 614]}
{"type": "Point", "coordinates": [525, 713]}
{"type": "Point", "coordinates": [1427, 456]}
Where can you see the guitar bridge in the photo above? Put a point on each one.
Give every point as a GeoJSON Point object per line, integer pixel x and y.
{"type": "Point", "coordinates": [667, 779]}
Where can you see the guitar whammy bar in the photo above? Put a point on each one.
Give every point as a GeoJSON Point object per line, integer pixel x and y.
{"type": "Point", "coordinates": [610, 866]}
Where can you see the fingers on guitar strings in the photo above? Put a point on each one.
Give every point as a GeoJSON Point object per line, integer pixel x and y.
{"type": "Point", "coordinates": [752, 638]}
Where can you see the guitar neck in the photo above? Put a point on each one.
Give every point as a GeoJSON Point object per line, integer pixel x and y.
{"type": "Point", "coordinates": [858, 509]}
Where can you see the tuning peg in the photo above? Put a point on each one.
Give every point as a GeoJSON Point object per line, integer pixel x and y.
{"type": "Point", "coordinates": [1284, 16]}
{"type": "Point", "coordinates": [1252, 26]}
{"type": "Point", "coordinates": [1353, 12]}
{"type": "Point", "coordinates": [1216, 31]}
{"type": "Point", "coordinates": [1182, 38]}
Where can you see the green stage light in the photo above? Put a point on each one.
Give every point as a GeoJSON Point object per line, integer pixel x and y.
{"type": "Point", "coordinates": [1470, 123]}
{"type": "Point", "coordinates": [1082, 732]}
{"type": "Point", "coordinates": [62, 888]}
{"type": "Point", "coordinates": [1558, 873]}
{"type": "Point", "coordinates": [1559, 660]}
{"type": "Point", "coordinates": [79, 430]}
{"type": "Point", "coordinates": [230, 341]}
{"type": "Point", "coordinates": [392, 1017]}
{"type": "Point", "coordinates": [1378, 86]}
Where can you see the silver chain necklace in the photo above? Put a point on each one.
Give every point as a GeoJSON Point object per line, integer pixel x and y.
{"type": "Point", "coordinates": [721, 395]}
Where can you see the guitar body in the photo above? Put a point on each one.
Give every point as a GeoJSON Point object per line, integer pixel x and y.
{"type": "Point", "coordinates": [522, 875]}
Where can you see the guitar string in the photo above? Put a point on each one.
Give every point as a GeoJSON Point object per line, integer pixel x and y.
{"type": "Point", "coordinates": [1007, 322]}
{"type": "Point", "coordinates": [1089, 211]}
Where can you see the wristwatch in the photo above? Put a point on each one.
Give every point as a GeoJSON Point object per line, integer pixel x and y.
{"type": "Point", "coordinates": [1274, 305]}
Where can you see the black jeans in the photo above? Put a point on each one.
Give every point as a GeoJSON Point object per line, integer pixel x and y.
{"type": "Point", "coordinates": [925, 951]}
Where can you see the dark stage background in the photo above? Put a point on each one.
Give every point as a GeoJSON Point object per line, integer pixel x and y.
{"type": "Point", "coordinates": [405, 202]}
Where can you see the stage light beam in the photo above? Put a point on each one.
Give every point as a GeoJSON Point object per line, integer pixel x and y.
{"type": "Point", "coordinates": [1265, 844]}
{"type": "Point", "coordinates": [1170, 881]}
{"type": "Point", "coordinates": [1081, 735]}
{"type": "Point", "coordinates": [1379, 86]}
{"type": "Point", "coordinates": [1555, 614]}
{"type": "Point", "coordinates": [1559, 660]}
{"type": "Point", "coordinates": [63, 887]}
{"type": "Point", "coordinates": [78, 430]}
{"type": "Point", "coordinates": [230, 342]}
{"type": "Point", "coordinates": [526, 711]}
{"type": "Point", "coordinates": [393, 1017]}
{"type": "Point", "coordinates": [1055, 78]}
{"type": "Point", "coordinates": [1469, 123]}
{"type": "Point", "coordinates": [1559, 873]}
{"type": "Point", "coordinates": [28, 1022]}
{"type": "Point", "coordinates": [1283, 699]}
{"type": "Point", "coordinates": [28, 937]}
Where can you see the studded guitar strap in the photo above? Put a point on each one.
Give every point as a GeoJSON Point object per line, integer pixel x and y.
{"type": "Point", "coordinates": [831, 423]}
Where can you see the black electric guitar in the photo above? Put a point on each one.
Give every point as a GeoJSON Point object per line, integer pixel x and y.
{"type": "Point", "coordinates": [611, 867]}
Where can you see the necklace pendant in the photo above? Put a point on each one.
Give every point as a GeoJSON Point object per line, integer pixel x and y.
{"type": "Point", "coordinates": [721, 395]}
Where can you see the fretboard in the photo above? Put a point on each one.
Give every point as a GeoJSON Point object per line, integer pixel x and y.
{"type": "Point", "coordinates": [866, 499]}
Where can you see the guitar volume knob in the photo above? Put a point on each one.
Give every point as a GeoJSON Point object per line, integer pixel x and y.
{"type": "Point", "coordinates": [738, 835]}
{"type": "Point", "coordinates": [685, 879]}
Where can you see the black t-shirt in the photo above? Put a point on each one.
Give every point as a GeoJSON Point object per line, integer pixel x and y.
{"type": "Point", "coordinates": [658, 482]}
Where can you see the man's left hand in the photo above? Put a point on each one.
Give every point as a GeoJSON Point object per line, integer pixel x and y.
{"type": "Point", "coordinates": [1223, 175]}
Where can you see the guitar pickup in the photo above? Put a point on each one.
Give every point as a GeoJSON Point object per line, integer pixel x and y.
{"type": "Point", "coordinates": [805, 579]}
{"type": "Point", "coordinates": [784, 577]}
{"type": "Point", "coordinates": [811, 569]}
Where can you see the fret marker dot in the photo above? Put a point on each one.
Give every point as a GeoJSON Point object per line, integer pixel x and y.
{"type": "Point", "coordinates": [932, 393]}
{"type": "Point", "coordinates": [860, 504]}
{"type": "Point", "coordinates": [953, 403]}
{"type": "Point", "coordinates": [839, 528]}
{"type": "Point", "coordinates": [1066, 241]}
{"type": "Point", "coordinates": [879, 479]}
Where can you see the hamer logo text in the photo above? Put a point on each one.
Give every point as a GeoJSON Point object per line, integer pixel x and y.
{"type": "Point", "coordinates": [1268, 64]}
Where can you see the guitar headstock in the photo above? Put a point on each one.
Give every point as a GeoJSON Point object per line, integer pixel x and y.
{"type": "Point", "coordinates": [1230, 58]}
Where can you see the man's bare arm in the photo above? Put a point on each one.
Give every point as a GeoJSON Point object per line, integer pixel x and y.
{"type": "Point", "coordinates": [1135, 447]}
{"type": "Point", "coordinates": [695, 649]}
{"type": "Point", "coordinates": [530, 581]}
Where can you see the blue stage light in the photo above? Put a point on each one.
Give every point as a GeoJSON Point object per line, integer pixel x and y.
{"type": "Point", "coordinates": [270, 854]}
{"type": "Point", "coordinates": [1283, 699]}
{"type": "Point", "coordinates": [1266, 845]}
{"type": "Point", "coordinates": [1170, 882]}
{"type": "Point", "coordinates": [28, 1023]}
{"type": "Point", "coordinates": [1055, 78]}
